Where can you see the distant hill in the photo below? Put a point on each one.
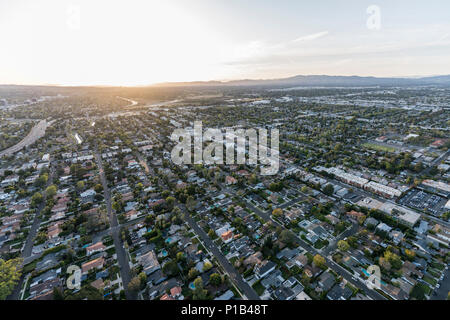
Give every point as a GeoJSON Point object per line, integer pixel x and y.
{"type": "Point", "coordinates": [322, 80]}
{"type": "Point", "coordinates": [291, 82]}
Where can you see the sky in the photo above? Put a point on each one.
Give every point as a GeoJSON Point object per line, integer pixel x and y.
{"type": "Point", "coordinates": [132, 42]}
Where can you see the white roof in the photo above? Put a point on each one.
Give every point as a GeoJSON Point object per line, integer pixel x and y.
{"type": "Point", "coordinates": [437, 185]}
{"type": "Point", "coordinates": [447, 205]}
{"type": "Point", "coordinates": [384, 189]}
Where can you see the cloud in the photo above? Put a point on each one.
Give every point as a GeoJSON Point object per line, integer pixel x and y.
{"type": "Point", "coordinates": [257, 51]}
{"type": "Point", "coordinates": [311, 37]}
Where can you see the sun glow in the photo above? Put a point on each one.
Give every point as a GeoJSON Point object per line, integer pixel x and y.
{"type": "Point", "coordinates": [103, 43]}
{"type": "Point", "coordinates": [140, 42]}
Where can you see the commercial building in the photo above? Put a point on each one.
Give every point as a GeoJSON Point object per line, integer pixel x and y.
{"type": "Point", "coordinates": [439, 187]}
{"type": "Point", "coordinates": [382, 190]}
{"type": "Point", "coordinates": [347, 177]}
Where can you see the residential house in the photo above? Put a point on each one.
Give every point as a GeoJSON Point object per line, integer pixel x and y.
{"type": "Point", "coordinates": [149, 262]}
{"type": "Point", "coordinates": [93, 264]}
{"type": "Point", "coordinates": [97, 247]}
{"type": "Point", "coordinates": [264, 268]}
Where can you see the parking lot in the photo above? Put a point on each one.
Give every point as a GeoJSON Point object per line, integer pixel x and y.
{"type": "Point", "coordinates": [424, 201]}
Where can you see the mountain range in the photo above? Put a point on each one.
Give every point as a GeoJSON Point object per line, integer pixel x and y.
{"type": "Point", "coordinates": [322, 81]}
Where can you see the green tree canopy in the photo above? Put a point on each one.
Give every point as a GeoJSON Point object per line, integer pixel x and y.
{"type": "Point", "coordinates": [51, 191]}
{"type": "Point", "coordinates": [10, 272]}
{"type": "Point", "coordinates": [319, 261]}
{"type": "Point", "coordinates": [215, 279]}
{"type": "Point", "coordinates": [343, 245]}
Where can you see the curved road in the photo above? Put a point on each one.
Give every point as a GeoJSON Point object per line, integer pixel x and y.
{"type": "Point", "coordinates": [37, 132]}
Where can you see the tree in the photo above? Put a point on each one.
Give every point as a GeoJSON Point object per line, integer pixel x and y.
{"type": "Point", "coordinates": [134, 285]}
{"type": "Point", "coordinates": [143, 280]}
{"type": "Point", "coordinates": [329, 189]}
{"type": "Point", "coordinates": [393, 259]}
{"type": "Point", "coordinates": [51, 191]}
{"type": "Point", "coordinates": [80, 185]}
{"type": "Point", "coordinates": [170, 201]}
{"type": "Point", "coordinates": [10, 273]}
{"type": "Point", "coordinates": [170, 268]}
{"type": "Point", "coordinates": [41, 181]}
{"type": "Point", "coordinates": [180, 256]}
{"type": "Point", "coordinates": [276, 186]}
{"type": "Point", "coordinates": [190, 203]}
{"type": "Point", "coordinates": [343, 245]}
{"type": "Point", "coordinates": [419, 291]}
{"type": "Point", "coordinates": [117, 206]}
{"type": "Point", "coordinates": [139, 187]}
{"type": "Point", "coordinates": [215, 279]}
{"type": "Point", "coordinates": [192, 273]}
{"type": "Point", "coordinates": [36, 199]}
{"type": "Point", "coordinates": [206, 266]}
{"type": "Point", "coordinates": [319, 261]}
{"type": "Point", "coordinates": [143, 277]}
{"type": "Point", "coordinates": [277, 212]}
{"type": "Point", "coordinates": [446, 215]}
{"type": "Point", "coordinates": [352, 241]}
{"type": "Point", "coordinates": [199, 292]}
{"type": "Point", "coordinates": [418, 167]}
{"type": "Point", "coordinates": [211, 234]}
{"type": "Point", "coordinates": [267, 247]}
{"type": "Point", "coordinates": [410, 254]}
{"type": "Point", "coordinates": [98, 188]}
{"type": "Point", "coordinates": [287, 237]}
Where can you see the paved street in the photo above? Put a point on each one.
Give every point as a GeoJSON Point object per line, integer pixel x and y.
{"type": "Point", "coordinates": [435, 162]}
{"type": "Point", "coordinates": [442, 292]}
{"type": "Point", "coordinates": [27, 249]}
{"type": "Point", "coordinates": [364, 193]}
{"type": "Point", "coordinates": [333, 244]}
{"type": "Point", "coordinates": [232, 272]}
{"type": "Point", "coordinates": [331, 264]}
{"type": "Point", "coordinates": [37, 132]}
{"type": "Point", "coordinates": [122, 257]}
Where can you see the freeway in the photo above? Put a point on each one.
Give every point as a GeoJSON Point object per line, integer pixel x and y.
{"type": "Point", "coordinates": [37, 132]}
{"type": "Point", "coordinates": [132, 102]}
{"type": "Point", "coordinates": [122, 257]}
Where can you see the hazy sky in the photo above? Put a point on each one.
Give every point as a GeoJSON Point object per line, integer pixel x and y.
{"type": "Point", "coordinates": [115, 42]}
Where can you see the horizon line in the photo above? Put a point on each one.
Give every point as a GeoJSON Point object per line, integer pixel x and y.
{"type": "Point", "coordinates": [223, 81]}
